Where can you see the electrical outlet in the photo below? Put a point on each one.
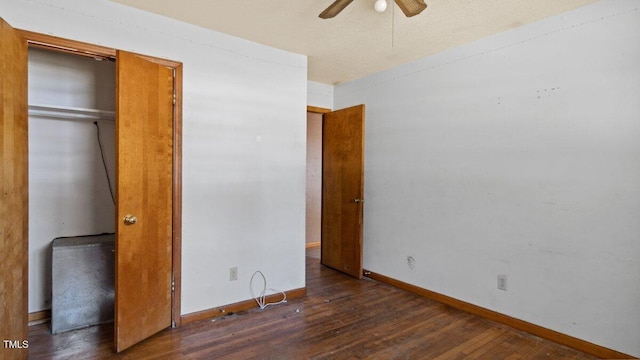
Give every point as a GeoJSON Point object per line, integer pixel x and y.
{"type": "Point", "coordinates": [233, 273]}
{"type": "Point", "coordinates": [502, 282]}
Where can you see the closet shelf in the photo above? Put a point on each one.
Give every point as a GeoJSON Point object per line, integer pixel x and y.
{"type": "Point", "coordinates": [72, 113]}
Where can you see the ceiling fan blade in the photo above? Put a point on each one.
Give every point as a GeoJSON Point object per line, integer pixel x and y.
{"type": "Point", "coordinates": [411, 7]}
{"type": "Point", "coordinates": [335, 8]}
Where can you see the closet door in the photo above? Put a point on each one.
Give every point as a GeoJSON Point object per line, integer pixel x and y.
{"type": "Point", "coordinates": [14, 209]}
{"type": "Point", "coordinates": [144, 128]}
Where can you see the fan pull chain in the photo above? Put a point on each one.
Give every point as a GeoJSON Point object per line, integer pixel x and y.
{"type": "Point", "coordinates": [393, 23]}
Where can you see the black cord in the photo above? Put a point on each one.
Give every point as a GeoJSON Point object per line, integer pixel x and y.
{"type": "Point", "coordinates": [104, 163]}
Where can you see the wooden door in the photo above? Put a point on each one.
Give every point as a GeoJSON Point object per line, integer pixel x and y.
{"type": "Point", "coordinates": [343, 190]}
{"type": "Point", "coordinates": [14, 210]}
{"type": "Point", "coordinates": [144, 128]}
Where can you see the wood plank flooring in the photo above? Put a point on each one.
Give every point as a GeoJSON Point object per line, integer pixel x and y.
{"type": "Point", "coordinates": [340, 318]}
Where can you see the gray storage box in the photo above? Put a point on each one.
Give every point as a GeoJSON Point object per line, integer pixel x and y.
{"type": "Point", "coordinates": [82, 281]}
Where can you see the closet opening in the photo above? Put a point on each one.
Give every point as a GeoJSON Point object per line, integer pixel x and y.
{"type": "Point", "coordinates": [72, 174]}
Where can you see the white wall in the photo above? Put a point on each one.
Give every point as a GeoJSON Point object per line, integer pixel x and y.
{"type": "Point", "coordinates": [244, 142]}
{"type": "Point", "coordinates": [518, 154]}
{"type": "Point", "coordinates": [68, 189]}
{"type": "Point", "coordinates": [319, 95]}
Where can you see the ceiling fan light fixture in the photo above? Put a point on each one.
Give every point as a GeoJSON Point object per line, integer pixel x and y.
{"type": "Point", "coordinates": [409, 7]}
{"type": "Point", "coordinates": [380, 5]}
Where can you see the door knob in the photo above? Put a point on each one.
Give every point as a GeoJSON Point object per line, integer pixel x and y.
{"type": "Point", "coordinates": [358, 200]}
{"type": "Point", "coordinates": [130, 219]}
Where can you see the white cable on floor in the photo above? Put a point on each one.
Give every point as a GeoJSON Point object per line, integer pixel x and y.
{"type": "Point", "coordinates": [261, 299]}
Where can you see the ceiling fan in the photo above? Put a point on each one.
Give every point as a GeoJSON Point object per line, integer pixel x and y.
{"type": "Point", "coordinates": [408, 7]}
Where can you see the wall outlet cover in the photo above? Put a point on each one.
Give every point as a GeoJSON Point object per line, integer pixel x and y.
{"type": "Point", "coordinates": [502, 282]}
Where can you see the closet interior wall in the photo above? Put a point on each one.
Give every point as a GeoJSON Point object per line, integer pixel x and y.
{"type": "Point", "coordinates": [68, 190]}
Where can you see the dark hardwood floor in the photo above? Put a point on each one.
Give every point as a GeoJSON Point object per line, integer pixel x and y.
{"type": "Point", "coordinates": [340, 318]}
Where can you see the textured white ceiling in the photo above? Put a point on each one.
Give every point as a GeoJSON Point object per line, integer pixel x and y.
{"type": "Point", "coordinates": [359, 41]}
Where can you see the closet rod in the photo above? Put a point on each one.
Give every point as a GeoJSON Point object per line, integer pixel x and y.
{"type": "Point", "coordinates": [71, 113]}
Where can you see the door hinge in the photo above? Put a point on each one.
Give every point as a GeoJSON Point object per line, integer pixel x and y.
{"type": "Point", "coordinates": [173, 286]}
{"type": "Point", "coordinates": [173, 72]}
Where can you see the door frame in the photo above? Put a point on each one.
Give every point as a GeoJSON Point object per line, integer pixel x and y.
{"type": "Point", "coordinates": [318, 110]}
{"type": "Point", "coordinates": [96, 51]}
